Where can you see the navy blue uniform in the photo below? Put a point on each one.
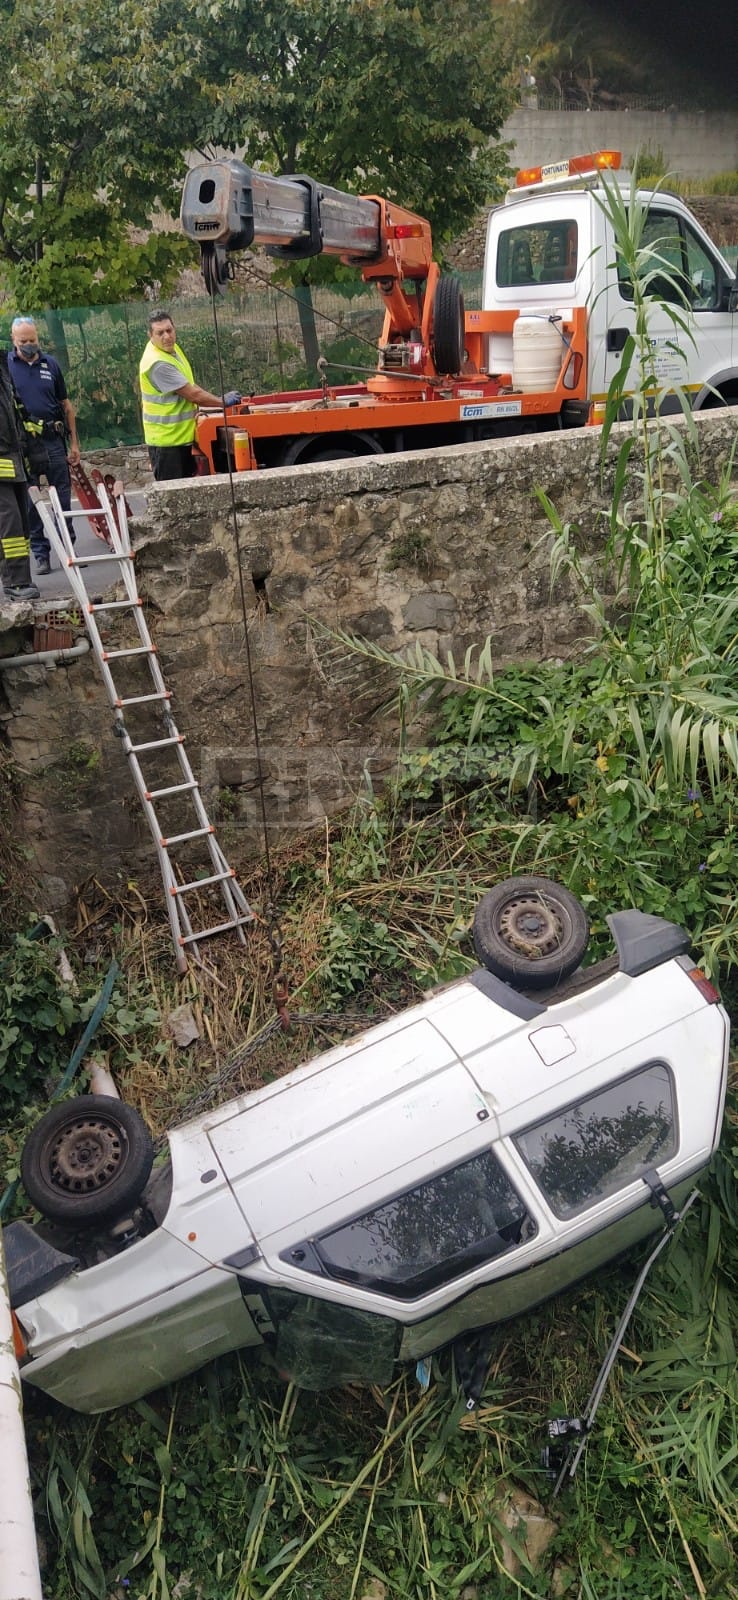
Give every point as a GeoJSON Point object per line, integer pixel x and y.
{"type": "Point", "coordinates": [41, 389]}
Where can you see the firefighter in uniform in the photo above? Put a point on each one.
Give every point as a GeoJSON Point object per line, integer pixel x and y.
{"type": "Point", "coordinates": [15, 556]}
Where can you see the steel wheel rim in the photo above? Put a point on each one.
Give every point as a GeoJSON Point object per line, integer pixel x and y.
{"type": "Point", "coordinates": [531, 926]}
{"type": "Point", "coordinates": [86, 1155]}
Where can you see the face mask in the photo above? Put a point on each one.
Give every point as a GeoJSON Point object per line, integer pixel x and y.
{"type": "Point", "coordinates": [29, 350]}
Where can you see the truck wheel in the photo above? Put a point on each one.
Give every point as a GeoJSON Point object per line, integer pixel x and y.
{"type": "Point", "coordinates": [530, 932]}
{"type": "Point", "coordinates": [448, 325]}
{"type": "Point", "coordinates": [308, 451]}
{"type": "Point", "coordinates": [87, 1161]}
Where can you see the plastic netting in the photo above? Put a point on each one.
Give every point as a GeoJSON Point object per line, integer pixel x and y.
{"type": "Point", "coordinates": [261, 339]}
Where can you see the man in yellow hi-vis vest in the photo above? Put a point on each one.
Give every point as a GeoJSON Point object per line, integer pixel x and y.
{"type": "Point", "coordinates": [15, 557]}
{"type": "Point", "coordinates": [169, 401]}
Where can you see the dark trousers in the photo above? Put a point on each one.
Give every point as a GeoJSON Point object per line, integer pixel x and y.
{"type": "Point", "coordinates": [171, 461]}
{"type": "Point", "coordinates": [48, 459]}
{"type": "Point", "coordinates": [15, 562]}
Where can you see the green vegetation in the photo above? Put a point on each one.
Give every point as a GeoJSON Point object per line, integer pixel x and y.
{"type": "Point", "coordinates": [101, 109]}
{"type": "Point", "coordinates": [615, 773]}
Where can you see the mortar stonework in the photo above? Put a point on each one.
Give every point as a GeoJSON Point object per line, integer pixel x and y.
{"type": "Point", "coordinates": [439, 549]}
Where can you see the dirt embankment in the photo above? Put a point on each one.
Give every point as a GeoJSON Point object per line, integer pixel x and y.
{"type": "Point", "coordinates": [717, 213]}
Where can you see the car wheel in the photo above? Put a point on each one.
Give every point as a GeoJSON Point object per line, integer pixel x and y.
{"type": "Point", "coordinates": [87, 1161]}
{"type": "Point", "coordinates": [530, 932]}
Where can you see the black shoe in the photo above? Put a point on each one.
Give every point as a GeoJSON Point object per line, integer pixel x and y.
{"type": "Point", "coordinates": [43, 567]}
{"type": "Point", "coordinates": [23, 591]}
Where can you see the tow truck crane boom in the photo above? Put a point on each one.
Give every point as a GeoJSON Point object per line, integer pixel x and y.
{"type": "Point", "coordinates": [228, 206]}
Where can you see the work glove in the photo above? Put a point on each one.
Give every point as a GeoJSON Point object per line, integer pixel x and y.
{"type": "Point", "coordinates": [232, 398]}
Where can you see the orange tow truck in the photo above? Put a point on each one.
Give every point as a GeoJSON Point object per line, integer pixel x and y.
{"type": "Point", "coordinates": [433, 384]}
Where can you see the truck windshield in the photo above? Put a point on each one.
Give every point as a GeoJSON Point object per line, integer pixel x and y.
{"type": "Point", "coordinates": [540, 252]}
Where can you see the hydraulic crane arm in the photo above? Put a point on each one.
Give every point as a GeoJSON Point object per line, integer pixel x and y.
{"type": "Point", "coordinates": [228, 206]}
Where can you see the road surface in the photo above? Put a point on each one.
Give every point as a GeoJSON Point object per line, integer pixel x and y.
{"type": "Point", "coordinates": [98, 576]}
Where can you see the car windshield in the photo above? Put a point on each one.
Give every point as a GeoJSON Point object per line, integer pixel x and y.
{"type": "Point", "coordinates": [604, 1142]}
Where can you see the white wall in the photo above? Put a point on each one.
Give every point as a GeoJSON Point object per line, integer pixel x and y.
{"type": "Point", "coordinates": [696, 145]}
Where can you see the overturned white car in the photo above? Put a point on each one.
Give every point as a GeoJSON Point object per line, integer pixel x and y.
{"type": "Point", "coordinates": [444, 1171]}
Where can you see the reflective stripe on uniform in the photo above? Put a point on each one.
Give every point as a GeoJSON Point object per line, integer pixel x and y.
{"type": "Point", "coordinates": [8, 468]}
{"type": "Point", "coordinates": [168, 422]}
{"type": "Point", "coordinates": [13, 548]}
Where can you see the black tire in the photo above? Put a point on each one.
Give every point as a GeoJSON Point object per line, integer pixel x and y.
{"type": "Point", "coordinates": [87, 1161]}
{"type": "Point", "coordinates": [308, 450]}
{"type": "Point", "coordinates": [531, 932]}
{"type": "Point", "coordinates": [448, 326]}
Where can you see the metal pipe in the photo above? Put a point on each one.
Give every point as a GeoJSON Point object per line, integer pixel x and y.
{"type": "Point", "coordinates": [20, 1578]}
{"type": "Point", "coordinates": [42, 658]}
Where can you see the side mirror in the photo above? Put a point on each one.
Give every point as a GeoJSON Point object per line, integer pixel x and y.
{"type": "Point", "coordinates": [732, 295]}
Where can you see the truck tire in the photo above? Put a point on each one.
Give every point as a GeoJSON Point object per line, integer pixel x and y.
{"type": "Point", "coordinates": [448, 326]}
{"type": "Point", "coordinates": [307, 450]}
{"type": "Point", "coordinates": [530, 932]}
{"type": "Point", "coordinates": [87, 1161]}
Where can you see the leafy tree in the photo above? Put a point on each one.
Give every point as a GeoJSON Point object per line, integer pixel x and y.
{"type": "Point", "coordinates": [400, 97]}
{"type": "Point", "coordinates": [90, 122]}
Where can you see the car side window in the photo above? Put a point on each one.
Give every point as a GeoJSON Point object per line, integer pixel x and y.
{"type": "Point", "coordinates": [429, 1234]}
{"type": "Point", "coordinates": [603, 1142]}
{"type": "Point", "coordinates": [679, 269]}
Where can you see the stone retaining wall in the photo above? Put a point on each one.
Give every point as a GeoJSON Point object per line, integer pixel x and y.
{"type": "Point", "coordinates": [437, 549]}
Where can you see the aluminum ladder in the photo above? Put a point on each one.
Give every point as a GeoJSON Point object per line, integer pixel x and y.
{"type": "Point", "coordinates": [186, 789]}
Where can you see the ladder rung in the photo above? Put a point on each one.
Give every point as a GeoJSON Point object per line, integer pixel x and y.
{"type": "Point", "coordinates": [89, 561]}
{"type": "Point", "coordinates": [179, 838]}
{"type": "Point", "coordinates": [174, 788]}
{"type": "Point", "coordinates": [141, 699]}
{"type": "Point", "coordinates": [134, 650]}
{"type": "Point", "coordinates": [202, 883]}
{"type": "Point", "coordinates": [155, 744]}
{"type": "Point", "coordinates": [114, 605]}
{"type": "Point", "coordinates": [222, 927]}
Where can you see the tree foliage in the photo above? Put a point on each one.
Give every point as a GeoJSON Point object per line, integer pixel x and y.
{"type": "Point", "coordinates": [103, 102]}
{"type": "Point", "coordinates": [94, 105]}
{"type": "Point", "coordinates": [398, 97]}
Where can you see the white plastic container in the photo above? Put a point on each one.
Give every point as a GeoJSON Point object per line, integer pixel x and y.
{"type": "Point", "coordinates": [538, 351]}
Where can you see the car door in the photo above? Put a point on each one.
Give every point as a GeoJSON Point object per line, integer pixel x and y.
{"type": "Point", "coordinates": [683, 271]}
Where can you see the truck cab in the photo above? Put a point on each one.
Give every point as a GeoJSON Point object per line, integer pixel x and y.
{"type": "Point", "coordinates": [551, 248]}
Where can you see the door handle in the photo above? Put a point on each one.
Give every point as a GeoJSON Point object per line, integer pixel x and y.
{"type": "Point", "coordinates": [616, 338]}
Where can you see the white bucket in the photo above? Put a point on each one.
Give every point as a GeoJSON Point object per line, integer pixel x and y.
{"type": "Point", "coordinates": [538, 351]}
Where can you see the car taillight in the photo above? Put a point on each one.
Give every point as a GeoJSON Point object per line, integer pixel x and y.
{"type": "Point", "coordinates": [19, 1338]}
{"type": "Point", "coordinates": [706, 988]}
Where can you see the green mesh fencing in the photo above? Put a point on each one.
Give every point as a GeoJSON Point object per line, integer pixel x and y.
{"type": "Point", "coordinates": [262, 342]}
